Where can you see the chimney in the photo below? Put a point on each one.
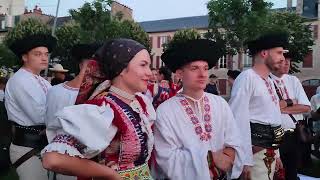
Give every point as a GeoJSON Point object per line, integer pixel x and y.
{"type": "Point", "coordinates": [126, 11]}
{"type": "Point", "coordinates": [37, 10]}
{"type": "Point", "coordinates": [289, 4]}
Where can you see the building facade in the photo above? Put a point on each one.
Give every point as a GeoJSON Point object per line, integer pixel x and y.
{"type": "Point", "coordinates": [161, 31]}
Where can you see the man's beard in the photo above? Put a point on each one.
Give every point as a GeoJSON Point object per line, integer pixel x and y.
{"type": "Point", "coordinates": [271, 66]}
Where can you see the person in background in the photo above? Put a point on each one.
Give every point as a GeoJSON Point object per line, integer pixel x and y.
{"type": "Point", "coordinates": [153, 85]}
{"type": "Point", "coordinates": [3, 82]}
{"type": "Point", "coordinates": [293, 103]}
{"type": "Point", "coordinates": [166, 87]}
{"type": "Point", "coordinates": [60, 74]}
{"type": "Point", "coordinates": [212, 86]}
{"type": "Point", "coordinates": [315, 115]}
{"type": "Point", "coordinates": [232, 75]}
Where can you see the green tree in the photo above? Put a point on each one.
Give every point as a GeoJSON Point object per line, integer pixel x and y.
{"type": "Point", "coordinates": [7, 58]}
{"type": "Point", "coordinates": [67, 35]}
{"type": "Point", "coordinates": [94, 20]}
{"type": "Point", "coordinates": [97, 24]}
{"type": "Point", "coordinates": [93, 23]}
{"type": "Point", "coordinates": [239, 21]}
{"type": "Point", "coordinates": [25, 28]}
{"type": "Point", "coordinates": [300, 34]}
{"type": "Point", "coordinates": [236, 21]}
{"type": "Point", "coordinates": [22, 29]}
{"type": "Point", "coordinates": [182, 36]}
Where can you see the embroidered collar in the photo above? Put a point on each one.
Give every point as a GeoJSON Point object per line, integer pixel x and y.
{"type": "Point", "coordinates": [207, 116]}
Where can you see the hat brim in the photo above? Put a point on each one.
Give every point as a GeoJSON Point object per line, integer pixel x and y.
{"type": "Point", "coordinates": [193, 50]}
{"type": "Point", "coordinates": [24, 45]}
{"type": "Point", "coordinates": [58, 70]}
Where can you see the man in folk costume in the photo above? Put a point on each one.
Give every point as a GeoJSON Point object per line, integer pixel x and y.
{"type": "Point", "coordinates": [25, 101]}
{"type": "Point", "coordinates": [193, 126]}
{"type": "Point", "coordinates": [255, 106]}
{"type": "Point", "coordinates": [293, 103]}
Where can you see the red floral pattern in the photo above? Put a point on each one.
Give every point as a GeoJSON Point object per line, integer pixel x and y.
{"type": "Point", "coordinates": [205, 135]}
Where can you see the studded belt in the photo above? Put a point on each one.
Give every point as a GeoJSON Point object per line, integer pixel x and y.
{"type": "Point", "coordinates": [266, 136]}
{"type": "Point", "coordinates": [29, 136]}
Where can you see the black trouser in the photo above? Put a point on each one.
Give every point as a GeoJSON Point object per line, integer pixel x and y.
{"type": "Point", "coordinates": [289, 155]}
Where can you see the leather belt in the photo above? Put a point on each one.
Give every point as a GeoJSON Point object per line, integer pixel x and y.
{"type": "Point", "coordinates": [29, 136]}
{"type": "Point", "coordinates": [266, 136]}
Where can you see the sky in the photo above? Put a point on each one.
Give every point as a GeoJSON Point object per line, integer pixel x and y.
{"type": "Point", "coordinates": [143, 10]}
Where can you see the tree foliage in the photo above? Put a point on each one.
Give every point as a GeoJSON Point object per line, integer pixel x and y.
{"type": "Point", "coordinates": [22, 29]}
{"type": "Point", "coordinates": [236, 21]}
{"type": "Point", "coordinates": [25, 28]}
{"type": "Point", "coordinates": [239, 21]}
{"type": "Point", "coordinates": [93, 23]}
{"type": "Point", "coordinates": [7, 58]}
{"type": "Point", "coordinates": [300, 34]}
{"type": "Point", "coordinates": [97, 24]}
{"type": "Point", "coordinates": [182, 36]}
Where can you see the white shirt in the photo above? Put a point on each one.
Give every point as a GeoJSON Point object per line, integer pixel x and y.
{"type": "Point", "coordinates": [58, 97]}
{"type": "Point", "coordinates": [291, 88]}
{"type": "Point", "coordinates": [252, 101]}
{"type": "Point", "coordinates": [1, 95]}
{"type": "Point", "coordinates": [180, 153]}
{"type": "Point", "coordinates": [25, 98]}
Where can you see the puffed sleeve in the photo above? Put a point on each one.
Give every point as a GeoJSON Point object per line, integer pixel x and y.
{"type": "Point", "coordinates": [58, 97]}
{"type": "Point", "coordinates": [86, 130]}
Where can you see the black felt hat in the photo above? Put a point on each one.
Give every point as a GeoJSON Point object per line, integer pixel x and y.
{"type": "Point", "coordinates": [268, 41]}
{"type": "Point", "coordinates": [27, 43]}
{"type": "Point", "coordinates": [183, 53]}
{"type": "Point", "coordinates": [84, 51]}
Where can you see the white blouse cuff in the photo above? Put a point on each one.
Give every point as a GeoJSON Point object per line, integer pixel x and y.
{"type": "Point", "coordinates": [62, 148]}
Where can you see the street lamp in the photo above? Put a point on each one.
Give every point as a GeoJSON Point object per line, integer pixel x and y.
{"type": "Point", "coordinates": [53, 32]}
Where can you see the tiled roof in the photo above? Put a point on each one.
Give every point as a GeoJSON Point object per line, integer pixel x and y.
{"type": "Point", "coordinates": [197, 22]}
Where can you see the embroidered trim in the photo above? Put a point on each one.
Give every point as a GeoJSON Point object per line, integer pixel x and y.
{"type": "Point", "coordinates": [204, 135]}
{"type": "Point", "coordinates": [69, 140]}
{"type": "Point", "coordinates": [134, 140]}
{"type": "Point", "coordinates": [270, 90]}
{"type": "Point", "coordinates": [69, 88]}
{"type": "Point", "coordinates": [269, 159]}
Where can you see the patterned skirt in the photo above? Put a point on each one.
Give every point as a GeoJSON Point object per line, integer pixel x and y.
{"type": "Point", "coordinates": [138, 173]}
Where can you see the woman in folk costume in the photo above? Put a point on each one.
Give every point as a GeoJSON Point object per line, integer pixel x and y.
{"type": "Point", "coordinates": [195, 132]}
{"type": "Point", "coordinates": [114, 127]}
